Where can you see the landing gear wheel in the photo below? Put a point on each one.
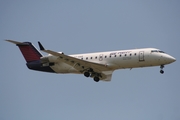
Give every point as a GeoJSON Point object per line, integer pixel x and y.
{"type": "Point", "coordinates": [96, 79]}
{"type": "Point", "coordinates": [161, 71]}
{"type": "Point", "coordinates": [87, 74]}
{"type": "Point", "coordinates": [162, 66]}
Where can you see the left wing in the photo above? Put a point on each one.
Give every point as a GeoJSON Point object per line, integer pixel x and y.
{"type": "Point", "coordinates": [82, 65]}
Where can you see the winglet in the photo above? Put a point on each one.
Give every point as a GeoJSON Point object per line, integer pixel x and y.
{"type": "Point", "coordinates": [40, 46]}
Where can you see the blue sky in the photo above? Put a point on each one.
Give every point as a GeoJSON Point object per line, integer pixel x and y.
{"type": "Point", "coordinates": [89, 26]}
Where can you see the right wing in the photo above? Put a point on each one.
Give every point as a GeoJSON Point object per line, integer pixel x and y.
{"type": "Point", "coordinates": [82, 65]}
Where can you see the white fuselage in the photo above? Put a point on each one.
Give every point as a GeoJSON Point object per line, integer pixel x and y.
{"type": "Point", "coordinates": [99, 65]}
{"type": "Point", "coordinates": [120, 59]}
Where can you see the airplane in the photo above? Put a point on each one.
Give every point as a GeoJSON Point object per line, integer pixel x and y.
{"type": "Point", "coordinates": [98, 65]}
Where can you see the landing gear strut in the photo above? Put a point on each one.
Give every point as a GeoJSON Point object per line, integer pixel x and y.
{"type": "Point", "coordinates": [162, 71]}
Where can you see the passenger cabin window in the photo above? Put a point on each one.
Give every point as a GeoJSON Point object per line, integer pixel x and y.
{"type": "Point", "coordinates": [120, 55]}
{"type": "Point", "coordinates": [130, 54]}
{"type": "Point", "coordinates": [86, 58]}
{"type": "Point", "coordinates": [91, 57]}
{"type": "Point", "coordinates": [114, 55]}
{"type": "Point", "coordinates": [96, 57]}
{"type": "Point", "coordinates": [135, 54]}
{"type": "Point", "coordinates": [105, 56]}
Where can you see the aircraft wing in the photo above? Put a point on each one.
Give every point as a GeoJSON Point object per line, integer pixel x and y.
{"type": "Point", "coordinates": [81, 65]}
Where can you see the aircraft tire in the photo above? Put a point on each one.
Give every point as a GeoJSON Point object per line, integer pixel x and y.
{"type": "Point", "coordinates": [87, 74]}
{"type": "Point", "coordinates": [161, 71]}
{"type": "Point", "coordinates": [96, 79]}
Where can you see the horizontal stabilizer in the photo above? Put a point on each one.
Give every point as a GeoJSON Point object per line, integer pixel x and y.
{"type": "Point", "coordinates": [15, 42]}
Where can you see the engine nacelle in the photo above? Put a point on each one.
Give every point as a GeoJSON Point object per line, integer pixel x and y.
{"type": "Point", "coordinates": [44, 59]}
{"type": "Point", "coordinates": [46, 62]}
{"type": "Point", "coordinates": [50, 58]}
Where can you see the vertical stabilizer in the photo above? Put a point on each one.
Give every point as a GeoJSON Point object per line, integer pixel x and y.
{"type": "Point", "coordinates": [32, 56]}
{"type": "Point", "coordinates": [27, 49]}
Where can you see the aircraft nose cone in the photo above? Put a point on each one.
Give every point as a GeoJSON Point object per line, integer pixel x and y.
{"type": "Point", "coordinates": [171, 59]}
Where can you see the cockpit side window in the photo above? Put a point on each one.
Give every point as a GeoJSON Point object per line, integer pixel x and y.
{"type": "Point", "coordinates": [161, 52]}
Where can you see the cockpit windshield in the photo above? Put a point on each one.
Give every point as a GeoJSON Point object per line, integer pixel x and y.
{"type": "Point", "coordinates": [157, 51]}
{"type": "Point", "coordinates": [154, 51]}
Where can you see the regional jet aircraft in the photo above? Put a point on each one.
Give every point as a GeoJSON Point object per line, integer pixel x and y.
{"type": "Point", "coordinates": [99, 65]}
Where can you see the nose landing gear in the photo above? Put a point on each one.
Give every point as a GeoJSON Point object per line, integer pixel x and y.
{"type": "Point", "coordinates": [162, 71]}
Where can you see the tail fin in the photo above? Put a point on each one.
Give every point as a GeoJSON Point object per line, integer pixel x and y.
{"type": "Point", "coordinates": [27, 49]}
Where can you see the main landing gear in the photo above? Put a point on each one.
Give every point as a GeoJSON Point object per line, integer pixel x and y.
{"type": "Point", "coordinates": [162, 71]}
{"type": "Point", "coordinates": [96, 78]}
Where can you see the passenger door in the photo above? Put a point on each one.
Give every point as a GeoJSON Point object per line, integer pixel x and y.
{"type": "Point", "coordinates": [141, 56]}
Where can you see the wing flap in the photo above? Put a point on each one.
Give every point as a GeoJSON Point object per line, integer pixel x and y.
{"type": "Point", "coordinates": [106, 75]}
